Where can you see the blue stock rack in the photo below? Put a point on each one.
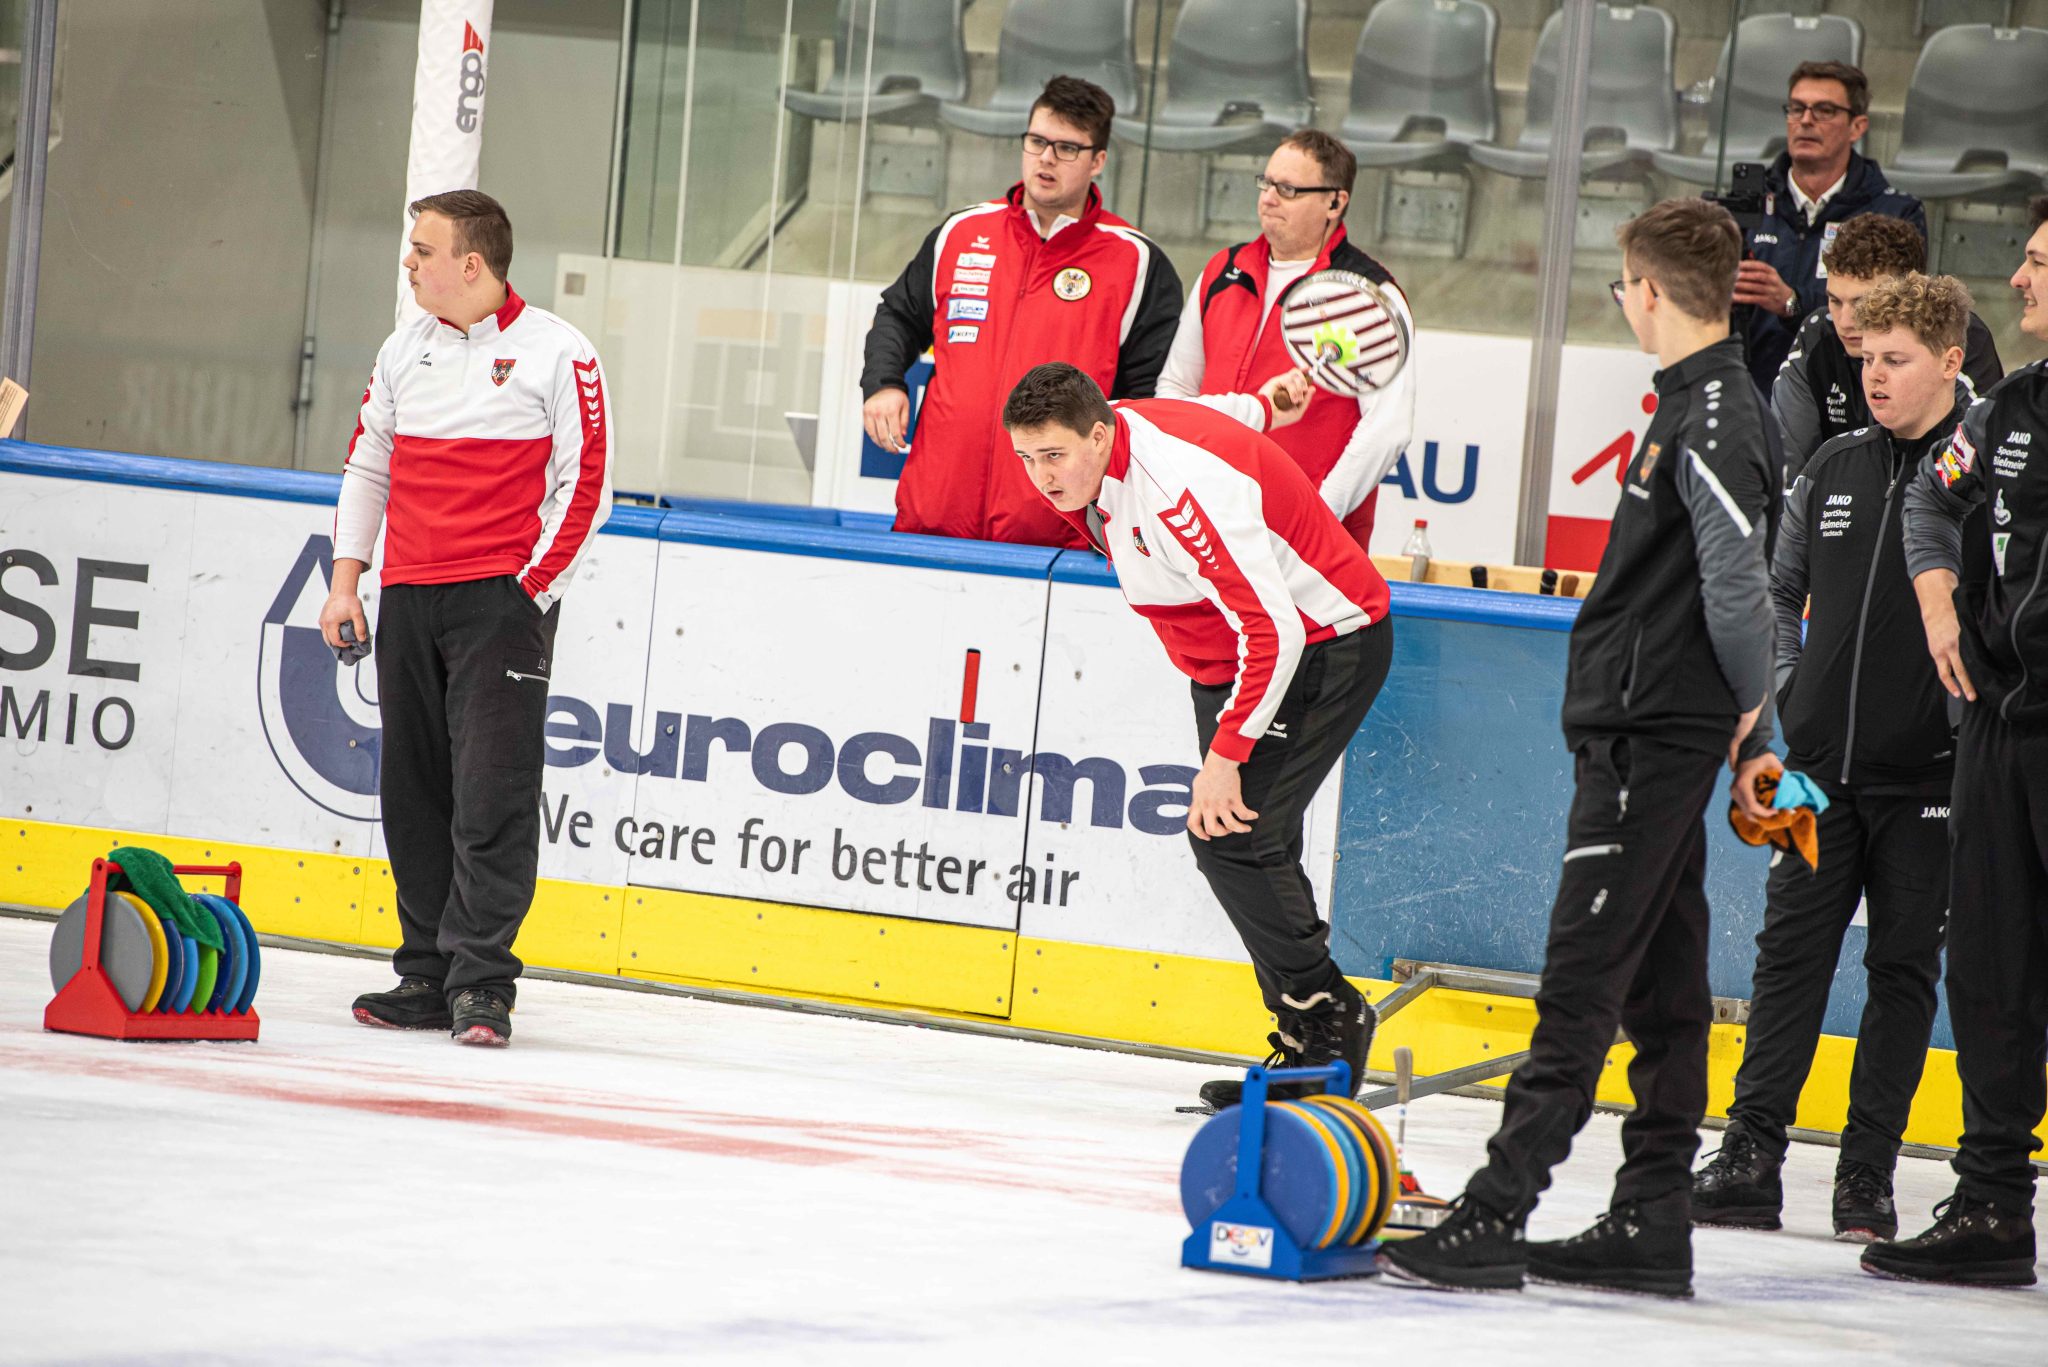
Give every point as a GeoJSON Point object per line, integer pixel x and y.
{"type": "Point", "coordinates": [1245, 1236]}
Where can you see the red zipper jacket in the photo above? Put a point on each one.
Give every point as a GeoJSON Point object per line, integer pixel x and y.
{"type": "Point", "coordinates": [992, 299]}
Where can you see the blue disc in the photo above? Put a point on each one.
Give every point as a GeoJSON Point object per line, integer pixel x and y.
{"type": "Point", "coordinates": [227, 985]}
{"type": "Point", "coordinates": [255, 958]}
{"type": "Point", "coordinates": [1297, 1177]}
{"type": "Point", "coordinates": [179, 969]}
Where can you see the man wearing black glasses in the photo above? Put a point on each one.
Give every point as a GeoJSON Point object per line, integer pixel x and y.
{"type": "Point", "coordinates": [1818, 182]}
{"type": "Point", "coordinates": [1042, 274]}
{"type": "Point", "coordinates": [1229, 339]}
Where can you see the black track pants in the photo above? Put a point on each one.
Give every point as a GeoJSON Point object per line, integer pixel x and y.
{"type": "Point", "coordinates": [1892, 852]}
{"type": "Point", "coordinates": [1258, 876]}
{"type": "Point", "coordinates": [1628, 947]}
{"type": "Point", "coordinates": [1998, 953]}
{"type": "Point", "coordinates": [462, 680]}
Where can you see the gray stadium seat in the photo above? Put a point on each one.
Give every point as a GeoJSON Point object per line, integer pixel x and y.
{"type": "Point", "coordinates": [1977, 92]}
{"type": "Point", "coordinates": [1940, 14]}
{"type": "Point", "coordinates": [919, 58]}
{"type": "Point", "coordinates": [1767, 48]}
{"type": "Point", "coordinates": [1630, 93]}
{"type": "Point", "coordinates": [1230, 58]}
{"type": "Point", "coordinates": [1092, 39]}
{"type": "Point", "coordinates": [1422, 65]}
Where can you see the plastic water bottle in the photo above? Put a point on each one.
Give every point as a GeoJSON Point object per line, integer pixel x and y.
{"type": "Point", "coordinates": [1417, 551]}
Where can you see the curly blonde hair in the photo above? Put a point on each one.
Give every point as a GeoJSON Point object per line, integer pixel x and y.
{"type": "Point", "coordinates": [1934, 308]}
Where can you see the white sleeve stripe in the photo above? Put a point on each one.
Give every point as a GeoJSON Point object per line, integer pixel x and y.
{"type": "Point", "coordinates": [1138, 281]}
{"type": "Point", "coordinates": [1700, 468]}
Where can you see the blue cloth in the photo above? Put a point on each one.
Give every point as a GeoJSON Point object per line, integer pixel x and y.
{"type": "Point", "coordinates": [1797, 790]}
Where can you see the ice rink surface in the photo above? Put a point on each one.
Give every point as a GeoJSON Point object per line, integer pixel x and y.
{"type": "Point", "coordinates": [645, 1179]}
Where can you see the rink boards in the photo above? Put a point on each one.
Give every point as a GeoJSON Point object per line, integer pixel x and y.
{"type": "Point", "coordinates": [797, 756]}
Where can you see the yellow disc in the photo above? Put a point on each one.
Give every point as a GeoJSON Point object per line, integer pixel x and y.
{"type": "Point", "coordinates": [157, 947]}
{"type": "Point", "coordinates": [1389, 1171]}
{"type": "Point", "coordinates": [1321, 1130]}
{"type": "Point", "coordinates": [1375, 1185]}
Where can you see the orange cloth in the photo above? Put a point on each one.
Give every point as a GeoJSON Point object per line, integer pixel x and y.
{"type": "Point", "coordinates": [1793, 828]}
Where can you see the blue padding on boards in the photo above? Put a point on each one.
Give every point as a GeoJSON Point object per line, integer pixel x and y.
{"type": "Point", "coordinates": [1453, 821]}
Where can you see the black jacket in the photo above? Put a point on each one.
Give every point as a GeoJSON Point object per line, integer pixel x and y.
{"type": "Point", "coordinates": [1859, 703]}
{"type": "Point", "coordinates": [1791, 245]}
{"type": "Point", "coordinates": [1674, 642]}
{"type": "Point", "coordinates": [1818, 394]}
{"type": "Point", "coordinates": [1998, 456]}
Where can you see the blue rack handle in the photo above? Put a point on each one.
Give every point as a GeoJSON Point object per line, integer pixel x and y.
{"type": "Point", "coordinates": [1251, 1120]}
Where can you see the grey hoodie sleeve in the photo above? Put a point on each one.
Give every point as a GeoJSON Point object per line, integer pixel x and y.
{"type": "Point", "coordinates": [1789, 583]}
{"type": "Point", "coordinates": [1948, 486]}
{"type": "Point", "coordinates": [1793, 406]}
{"type": "Point", "coordinates": [1728, 502]}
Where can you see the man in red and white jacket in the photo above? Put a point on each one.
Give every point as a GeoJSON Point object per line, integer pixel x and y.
{"type": "Point", "coordinates": [998, 287]}
{"type": "Point", "coordinates": [1268, 605]}
{"type": "Point", "coordinates": [1229, 340]}
{"type": "Point", "coordinates": [484, 450]}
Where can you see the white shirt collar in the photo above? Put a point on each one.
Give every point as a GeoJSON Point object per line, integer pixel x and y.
{"type": "Point", "coordinates": [1818, 202]}
{"type": "Point", "coordinates": [1063, 221]}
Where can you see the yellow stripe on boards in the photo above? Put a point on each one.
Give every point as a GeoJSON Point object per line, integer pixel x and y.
{"type": "Point", "coordinates": [1087, 991]}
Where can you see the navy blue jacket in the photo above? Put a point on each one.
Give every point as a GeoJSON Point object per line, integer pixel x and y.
{"type": "Point", "coordinates": [1791, 245]}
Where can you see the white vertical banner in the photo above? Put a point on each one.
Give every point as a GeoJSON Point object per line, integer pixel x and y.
{"type": "Point", "coordinates": [447, 112]}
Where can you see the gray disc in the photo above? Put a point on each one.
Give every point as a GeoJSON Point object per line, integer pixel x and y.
{"type": "Point", "coordinates": [126, 955]}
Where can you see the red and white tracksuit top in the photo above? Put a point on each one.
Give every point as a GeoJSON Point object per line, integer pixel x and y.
{"type": "Point", "coordinates": [481, 455]}
{"type": "Point", "coordinates": [992, 299]}
{"type": "Point", "coordinates": [1223, 544]}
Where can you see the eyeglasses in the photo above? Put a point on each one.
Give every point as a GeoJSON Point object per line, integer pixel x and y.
{"type": "Point", "coordinates": [1291, 192]}
{"type": "Point", "coordinates": [1823, 112]}
{"type": "Point", "coordinates": [1618, 288]}
{"type": "Point", "coordinates": [1065, 151]}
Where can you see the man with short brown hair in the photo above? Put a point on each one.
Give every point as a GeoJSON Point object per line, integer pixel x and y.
{"type": "Point", "coordinates": [1818, 394]}
{"type": "Point", "coordinates": [483, 451]}
{"type": "Point", "coordinates": [1865, 719]}
{"type": "Point", "coordinates": [1669, 677]}
{"type": "Point", "coordinates": [1043, 273]}
{"type": "Point", "coordinates": [1229, 339]}
{"type": "Point", "coordinates": [1817, 183]}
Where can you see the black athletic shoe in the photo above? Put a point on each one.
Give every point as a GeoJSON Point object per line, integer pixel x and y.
{"type": "Point", "coordinates": [1333, 1025]}
{"type": "Point", "coordinates": [481, 1017]}
{"type": "Point", "coordinates": [415, 1004]}
{"type": "Point", "coordinates": [1228, 1091]}
{"type": "Point", "coordinates": [1864, 1213]}
{"type": "Point", "coordinates": [1643, 1247]}
{"type": "Point", "coordinates": [1476, 1248]}
{"type": "Point", "coordinates": [1973, 1243]}
{"type": "Point", "coordinates": [1739, 1186]}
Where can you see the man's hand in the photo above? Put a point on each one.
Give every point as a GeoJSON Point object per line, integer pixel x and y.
{"type": "Point", "coordinates": [1217, 807]}
{"type": "Point", "coordinates": [887, 419]}
{"type": "Point", "coordinates": [343, 605]}
{"type": "Point", "coordinates": [1936, 591]}
{"type": "Point", "coordinates": [1288, 393]}
{"type": "Point", "coordinates": [1744, 787]}
{"type": "Point", "coordinates": [1756, 282]}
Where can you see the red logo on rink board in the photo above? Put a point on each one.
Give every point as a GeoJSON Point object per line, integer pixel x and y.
{"type": "Point", "coordinates": [501, 371]}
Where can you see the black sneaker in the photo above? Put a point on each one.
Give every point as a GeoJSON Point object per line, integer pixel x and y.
{"type": "Point", "coordinates": [1333, 1025]}
{"type": "Point", "coordinates": [415, 1004]}
{"type": "Point", "coordinates": [1864, 1213]}
{"type": "Point", "coordinates": [1973, 1243]}
{"type": "Point", "coordinates": [1644, 1247]}
{"type": "Point", "coordinates": [482, 1017]}
{"type": "Point", "coordinates": [1228, 1091]}
{"type": "Point", "coordinates": [1476, 1248]}
{"type": "Point", "coordinates": [1739, 1186]}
